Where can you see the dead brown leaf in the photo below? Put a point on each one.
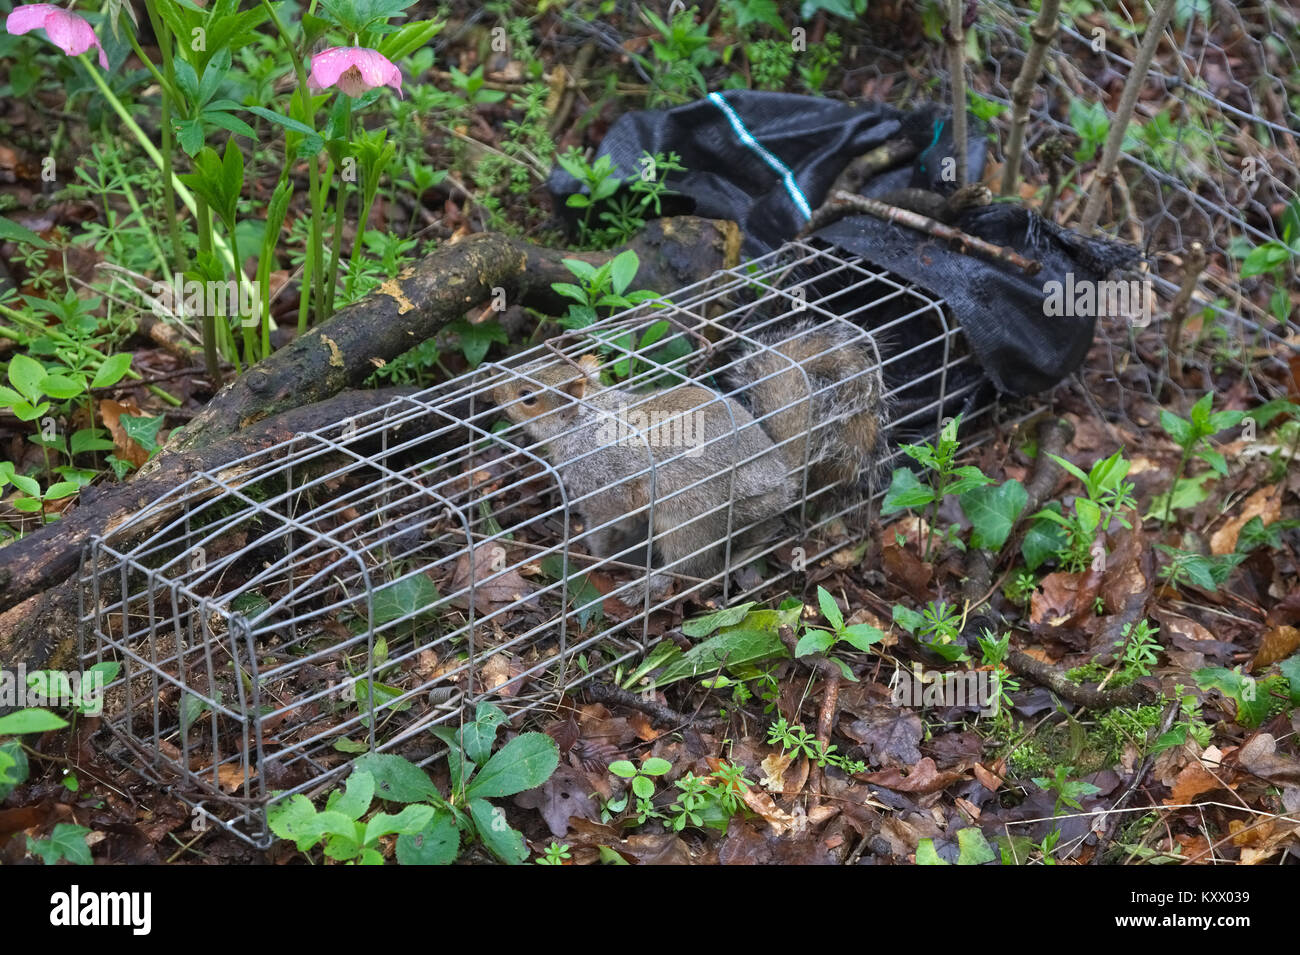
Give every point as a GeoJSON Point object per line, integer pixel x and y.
{"type": "Point", "coordinates": [1264, 504]}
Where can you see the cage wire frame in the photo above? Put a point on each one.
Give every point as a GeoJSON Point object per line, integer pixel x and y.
{"type": "Point", "coordinates": [251, 608]}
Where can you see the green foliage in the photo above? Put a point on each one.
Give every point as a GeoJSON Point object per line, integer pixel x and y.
{"type": "Point", "coordinates": [603, 287]}
{"type": "Point", "coordinates": [1255, 699]}
{"type": "Point", "coordinates": [1071, 537]}
{"type": "Point", "coordinates": [937, 628]}
{"type": "Point", "coordinates": [430, 827]}
{"type": "Point", "coordinates": [680, 54]}
{"type": "Point", "coordinates": [995, 509]}
{"type": "Point", "coordinates": [66, 842]}
{"type": "Point", "coordinates": [622, 205]}
{"type": "Point", "coordinates": [859, 636]}
{"type": "Point", "coordinates": [1192, 435]}
{"type": "Point", "coordinates": [972, 849]}
{"type": "Point", "coordinates": [797, 741]}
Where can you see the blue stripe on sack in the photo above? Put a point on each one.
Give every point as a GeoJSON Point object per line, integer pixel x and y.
{"type": "Point", "coordinates": [743, 134]}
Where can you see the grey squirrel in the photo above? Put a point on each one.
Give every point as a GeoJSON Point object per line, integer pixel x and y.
{"type": "Point", "coordinates": [807, 393]}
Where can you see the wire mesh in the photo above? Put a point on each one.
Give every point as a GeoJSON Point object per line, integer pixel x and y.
{"type": "Point", "coordinates": [347, 590]}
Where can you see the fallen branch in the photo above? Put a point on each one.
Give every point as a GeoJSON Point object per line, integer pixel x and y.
{"type": "Point", "coordinates": [283, 395]}
{"type": "Point", "coordinates": [1054, 678]}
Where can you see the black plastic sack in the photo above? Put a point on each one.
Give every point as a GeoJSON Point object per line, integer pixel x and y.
{"type": "Point", "coordinates": [766, 160]}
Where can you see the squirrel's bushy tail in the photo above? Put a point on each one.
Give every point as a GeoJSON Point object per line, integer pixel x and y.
{"type": "Point", "coordinates": [816, 388]}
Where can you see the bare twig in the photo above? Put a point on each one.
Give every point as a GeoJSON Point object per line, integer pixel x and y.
{"type": "Point", "coordinates": [1124, 114]}
{"type": "Point", "coordinates": [841, 204]}
{"type": "Point", "coordinates": [1193, 265]}
{"type": "Point", "coordinates": [957, 68]}
{"type": "Point", "coordinates": [1022, 91]}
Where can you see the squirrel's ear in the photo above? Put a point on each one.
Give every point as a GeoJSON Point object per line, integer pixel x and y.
{"type": "Point", "coordinates": [590, 366]}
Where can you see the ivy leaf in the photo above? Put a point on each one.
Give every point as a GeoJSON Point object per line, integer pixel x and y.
{"type": "Point", "coordinates": [65, 842]}
{"type": "Point", "coordinates": [993, 512]}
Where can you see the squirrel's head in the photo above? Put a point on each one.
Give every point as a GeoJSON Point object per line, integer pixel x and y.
{"type": "Point", "coordinates": [547, 394]}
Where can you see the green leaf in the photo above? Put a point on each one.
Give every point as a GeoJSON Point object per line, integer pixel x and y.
{"type": "Point", "coordinates": [968, 477]}
{"type": "Point", "coordinates": [404, 598]}
{"type": "Point", "coordinates": [624, 270]}
{"type": "Point", "coordinates": [993, 511]}
{"type": "Point", "coordinates": [814, 641]}
{"type": "Point", "coordinates": [1187, 492]}
{"type": "Point", "coordinates": [409, 38]}
{"type": "Point", "coordinates": [397, 779]}
{"type": "Point", "coordinates": [655, 766]}
{"type": "Point", "coordinates": [501, 840]}
{"type": "Point", "coordinates": [1089, 514]}
{"type": "Point", "coordinates": [476, 738]}
{"type": "Point", "coordinates": [143, 430]}
{"type": "Point", "coordinates": [1290, 670]}
{"type": "Point", "coordinates": [11, 231]}
{"type": "Point", "coordinates": [1264, 259]}
{"type": "Point", "coordinates": [1178, 428]}
{"type": "Point", "coordinates": [438, 843]}
{"type": "Point", "coordinates": [476, 339]}
{"type": "Point", "coordinates": [26, 374]}
{"type": "Point", "coordinates": [14, 769]}
{"type": "Point", "coordinates": [906, 492]}
{"type": "Point", "coordinates": [1044, 539]}
{"type": "Point", "coordinates": [731, 648]}
{"type": "Point", "coordinates": [30, 721]}
{"type": "Point", "coordinates": [926, 854]}
{"type": "Point", "coordinates": [62, 387]}
{"type": "Point", "coordinates": [703, 626]}
{"type": "Point", "coordinates": [623, 768]}
{"type": "Point", "coordinates": [830, 610]}
{"type": "Point", "coordinates": [356, 798]}
{"type": "Point", "coordinates": [862, 636]}
{"type": "Point", "coordinates": [909, 620]}
{"type": "Point", "coordinates": [112, 370]}
{"type": "Point", "coordinates": [525, 762]}
{"type": "Point", "coordinates": [974, 849]}
{"type": "Point", "coordinates": [66, 842]}
{"type": "Point", "coordinates": [411, 820]}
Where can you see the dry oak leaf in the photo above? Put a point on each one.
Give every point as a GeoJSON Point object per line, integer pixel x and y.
{"type": "Point", "coordinates": [1276, 644]}
{"type": "Point", "coordinates": [1264, 504]}
{"type": "Point", "coordinates": [924, 777]}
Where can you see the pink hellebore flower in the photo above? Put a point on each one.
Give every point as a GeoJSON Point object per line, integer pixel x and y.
{"type": "Point", "coordinates": [354, 69]}
{"type": "Point", "coordinates": [69, 32]}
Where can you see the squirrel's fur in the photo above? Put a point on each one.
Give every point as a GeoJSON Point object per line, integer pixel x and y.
{"type": "Point", "coordinates": [706, 448]}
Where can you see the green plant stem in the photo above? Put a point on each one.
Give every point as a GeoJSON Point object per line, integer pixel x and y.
{"type": "Point", "coordinates": [314, 266]}
{"type": "Point", "coordinates": [1178, 474]}
{"type": "Point", "coordinates": [340, 204]}
{"type": "Point", "coordinates": [367, 203]}
{"type": "Point", "coordinates": [151, 151]}
{"type": "Point", "coordinates": [210, 360]}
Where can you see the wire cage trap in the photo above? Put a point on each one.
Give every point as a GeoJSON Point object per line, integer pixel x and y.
{"type": "Point", "coordinates": [351, 588]}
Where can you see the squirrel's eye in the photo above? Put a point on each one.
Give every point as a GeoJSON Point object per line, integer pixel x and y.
{"type": "Point", "coordinates": [527, 398]}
